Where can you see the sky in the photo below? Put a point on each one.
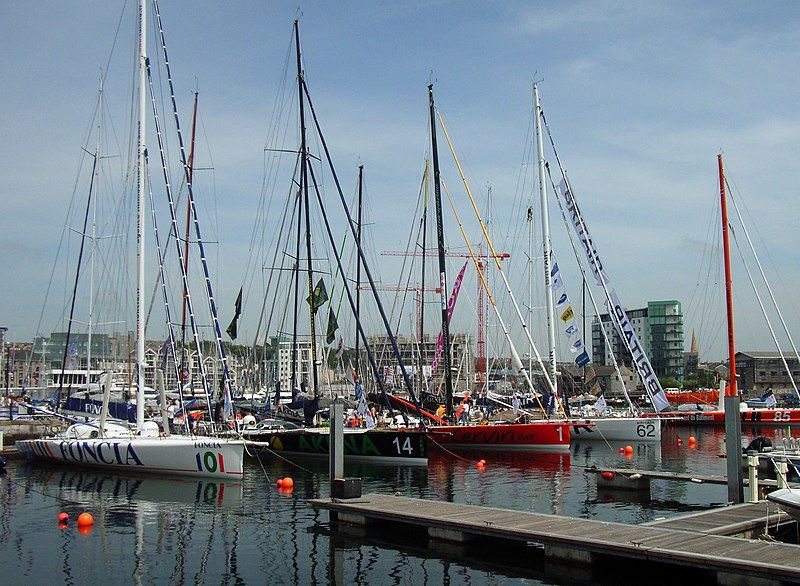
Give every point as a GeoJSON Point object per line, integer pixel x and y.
{"type": "Point", "coordinates": [640, 99]}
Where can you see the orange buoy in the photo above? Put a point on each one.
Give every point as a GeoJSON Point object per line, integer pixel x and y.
{"type": "Point", "coordinates": [628, 449]}
{"type": "Point", "coordinates": [482, 462]}
{"type": "Point", "coordinates": [288, 482]}
{"type": "Point", "coordinates": [480, 466]}
{"type": "Point", "coordinates": [692, 440]}
{"type": "Point", "coordinates": [63, 517]}
{"type": "Point", "coordinates": [279, 482]}
{"type": "Point", "coordinates": [85, 520]}
{"type": "Point", "coordinates": [607, 474]}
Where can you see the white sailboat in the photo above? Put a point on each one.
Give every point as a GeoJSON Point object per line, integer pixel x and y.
{"type": "Point", "coordinates": [144, 448]}
{"type": "Point", "coordinates": [601, 425]}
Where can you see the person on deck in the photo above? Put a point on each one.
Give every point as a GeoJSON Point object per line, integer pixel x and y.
{"type": "Point", "coordinates": [440, 411]}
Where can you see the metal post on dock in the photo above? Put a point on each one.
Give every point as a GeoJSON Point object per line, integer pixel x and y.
{"type": "Point", "coordinates": [781, 470]}
{"type": "Point", "coordinates": [733, 450]}
{"type": "Point", "coordinates": [752, 476]}
{"type": "Point", "coordinates": [336, 441]}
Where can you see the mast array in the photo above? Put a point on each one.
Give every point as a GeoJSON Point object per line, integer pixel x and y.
{"type": "Point", "coordinates": [140, 209]}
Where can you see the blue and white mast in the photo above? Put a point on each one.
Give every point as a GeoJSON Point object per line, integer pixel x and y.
{"type": "Point", "coordinates": [140, 209]}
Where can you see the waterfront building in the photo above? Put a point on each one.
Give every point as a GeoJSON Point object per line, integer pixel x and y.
{"type": "Point", "coordinates": [759, 371]}
{"type": "Point", "coordinates": [659, 327]}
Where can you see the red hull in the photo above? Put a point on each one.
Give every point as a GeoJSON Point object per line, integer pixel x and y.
{"type": "Point", "coordinates": [754, 417]}
{"type": "Point", "coordinates": [541, 436]}
{"type": "Point", "coordinates": [682, 397]}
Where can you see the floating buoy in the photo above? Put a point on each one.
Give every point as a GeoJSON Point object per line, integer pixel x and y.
{"type": "Point", "coordinates": [288, 482]}
{"type": "Point", "coordinates": [692, 441]}
{"type": "Point", "coordinates": [622, 450]}
{"type": "Point", "coordinates": [607, 474]}
{"type": "Point", "coordinates": [628, 449]}
{"type": "Point", "coordinates": [279, 482]}
{"type": "Point", "coordinates": [63, 517]}
{"type": "Point", "coordinates": [679, 441]}
{"type": "Point", "coordinates": [85, 520]}
{"type": "Point", "coordinates": [480, 465]}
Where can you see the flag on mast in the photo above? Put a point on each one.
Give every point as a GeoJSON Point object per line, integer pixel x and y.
{"type": "Point", "coordinates": [232, 329]}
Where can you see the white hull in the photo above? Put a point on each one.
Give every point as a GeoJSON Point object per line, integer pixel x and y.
{"type": "Point", "coordinates": [175, 455]}
{"type": "Point", "coordinates": [634, 429]}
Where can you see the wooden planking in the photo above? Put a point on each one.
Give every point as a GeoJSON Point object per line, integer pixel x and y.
{"type": "Point", "coordinates": [655, 541]}
{"type": "Point", "coordinates": [725, 521]}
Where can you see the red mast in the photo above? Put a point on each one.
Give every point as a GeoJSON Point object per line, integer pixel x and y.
{"type": "Point", "coordinates": [190, 173]}
{"type": "Point", "coordinates": [730, 390]}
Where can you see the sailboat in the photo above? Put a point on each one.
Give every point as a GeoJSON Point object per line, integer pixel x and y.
{"type": "Point", "coordinates": [144, 448]}
{"type": "Point", "coordinates": [754, 417]}
{"type": "Point", "coordinates": [544, 435]}
{"type": "Point", "coordinates": [391, 445]}
{"type": "Point", "coordinates": [601, 426]}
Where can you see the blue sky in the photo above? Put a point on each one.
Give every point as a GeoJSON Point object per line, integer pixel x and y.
{"type": "Point", "coordinates": [640, 97]}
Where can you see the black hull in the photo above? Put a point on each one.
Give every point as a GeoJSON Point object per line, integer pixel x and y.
{"type": "Point", "coordinates": [381, 446]}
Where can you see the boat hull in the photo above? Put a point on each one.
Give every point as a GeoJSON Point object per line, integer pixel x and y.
{"type": "Point", "coordinates": [751, 417]}
{"type": "Point", "coordinates": [389, 446]}
{"type": "Point", "coordinates": [174, 455]}
{"type": "Point", "coordinates": [787, 499]}
{"type": "Point", "coordinates": [635, 429]}
{"type": "Point", "coordinates": [545, 436]}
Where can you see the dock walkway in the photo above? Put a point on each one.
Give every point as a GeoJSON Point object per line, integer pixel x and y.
{"type": "Point", "coordinates": [749, 519]}
{"type": "Point", "coordinates": [577, 540]}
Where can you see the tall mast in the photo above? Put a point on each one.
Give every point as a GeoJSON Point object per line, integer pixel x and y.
{"type": "Point", "coordinates": [548, 290]}
{"type": "Point", "coordinates": [93, 239]}
{"type": "Point", "coordinates": [437, 192]}
{"type": "Point", "coordinates": [304, 187]}
{"type": "Point", "coordinates": [140, 205]}
{"type": "Point", "coordinates": [733, 425]}
{"type": "Point", "coordinates": [731, 391]}
{"type": "Point", "coordinates": [358, 261]}
{"type": "Point", "coordinates": [421, 343]}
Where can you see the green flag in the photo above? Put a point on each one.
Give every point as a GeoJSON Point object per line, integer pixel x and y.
{"type": "Point", "coordinates": [238, 311]}
{"type": "Point", "coordinates": [333, 325]}
{"type": "Point", "coordinates": [319, 296]}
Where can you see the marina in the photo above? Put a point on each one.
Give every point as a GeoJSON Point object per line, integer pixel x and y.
{"type": "Point", "coordinates": [382, 294]}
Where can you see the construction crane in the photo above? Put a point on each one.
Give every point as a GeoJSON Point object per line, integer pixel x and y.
{"type": "Point", "coordinates": [480, 257]}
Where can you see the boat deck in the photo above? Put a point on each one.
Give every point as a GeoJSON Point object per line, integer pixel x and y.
{"type": "Point", "coordinates": [577, 540]}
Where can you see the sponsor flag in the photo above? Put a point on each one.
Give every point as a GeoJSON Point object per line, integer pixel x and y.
{"type": "Point", "coordinates": [318, 297]}
{"type": "Point", "coordinates": [232, 328]}
{"type": "Point", "coordinates": [571, 330]}
{"type": "Point", "coordinates": [340, 349]}
{"type": "Point", "coordinates": [72, 354]}
{"type": "Point", "coordinates": [577, 346]}
{"type": "Point", "coordinates": [451, 304]}
{"type": "Point", "coordinates": [333, 325]}
{"type": "Point", "coordinates": [568, 314]}
{"type": "Point", "coordinates": [600, 405]}
{"type": "Point", "coordinates": [582, 359]}
{"type": "Point", "coordinates": [562, 300]}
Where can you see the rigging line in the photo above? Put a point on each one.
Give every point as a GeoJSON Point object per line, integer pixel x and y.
{"type": "Point", "coordinates": [766, 282]}
{"type": "Point", "coordinates": [606, 339]}
{"type": "Point", "coordinates": [174, 222]}
{"type": "Point", "coordinates": [75, 286]}
{"type": "Point", "coordinates": [209, 290]}
{"type": "Point", "coordinates": [517, 361]}
{"type": "Point", "coordinates": [268, 286]}
{"type": "Point", "coordinates": [758, 297]}
{"type": "Point", "coordinates": [170, 332]}
{"type": "Point", "coordinates": [764, 313]}
{"type": "Point", "coordinates": [361, 254]}
{"type": "Point", "coordinates": [351, 301]}
{"type": "Point", "coordinates": [499, 266]}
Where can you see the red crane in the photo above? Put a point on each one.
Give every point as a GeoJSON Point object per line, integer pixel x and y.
{"type": "Point", "coordinates": [480, 366]}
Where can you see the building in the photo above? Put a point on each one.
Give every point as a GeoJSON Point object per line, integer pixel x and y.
{"type": "Point", "coordinates": [53, 349]}
{"type": "Point", "coordinates": [659, 327]}
{"type": "Point", "coordinates": [758, 371]}
{"type": "Point", "coordinates": [411, 351]}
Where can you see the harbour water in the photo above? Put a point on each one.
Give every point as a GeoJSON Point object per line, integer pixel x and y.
{"type": "Point", "coordinates": [174, 531]}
